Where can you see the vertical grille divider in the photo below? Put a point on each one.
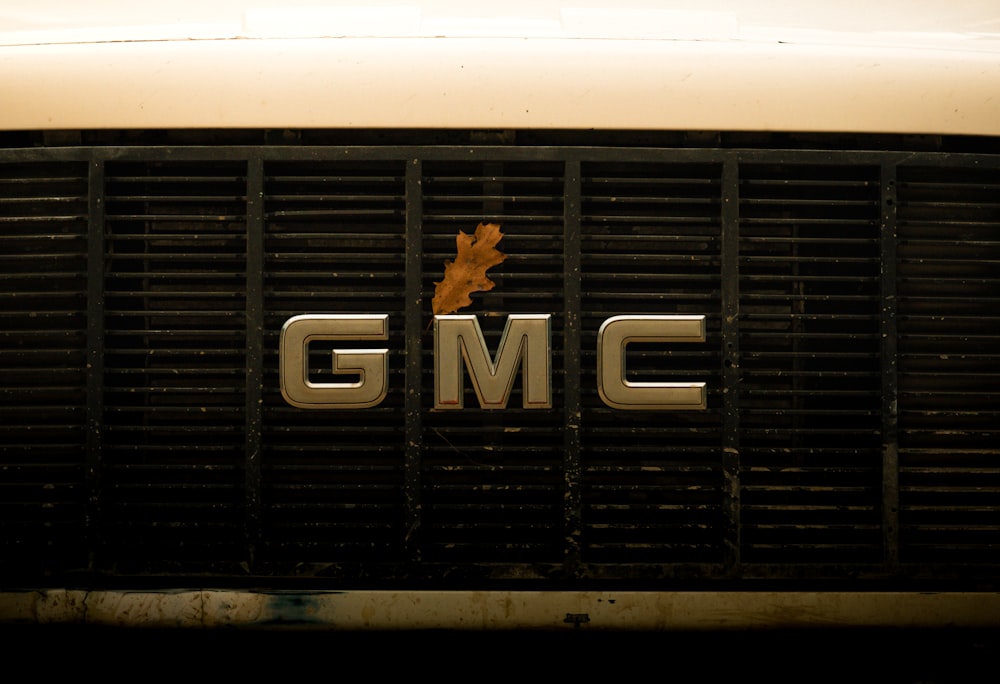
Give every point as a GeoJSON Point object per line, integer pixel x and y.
{"type": "Point", "coordinates": [95, 355]}
{"type": "Point", "coordinates": [731, 364]}
{"type": "Point", "coordinates": [414, 339]}
{"type": "Point", "coordinates": [572, 270]}
{"type": "Point", "coordinates": [254, 353]}
{"type": "Point", "coordinates": [890, 367]}
{"type": "Point", "coordinates": [493, 205]}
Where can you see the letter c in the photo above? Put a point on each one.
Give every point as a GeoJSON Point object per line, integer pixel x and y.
{"type": "Point", "coordinates": [617, 392]}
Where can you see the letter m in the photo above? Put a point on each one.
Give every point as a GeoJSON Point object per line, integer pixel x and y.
{"type": "Point", "coordinates": [525, 341]}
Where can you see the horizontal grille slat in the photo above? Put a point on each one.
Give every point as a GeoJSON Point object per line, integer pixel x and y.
{"type": "Point", "coordinates": [167, 405]}
{"type": "Point", "coordinates": [809, 284]}
{"type": "Point", "coordinates": [948, 257]}
{"type": "Point", "coordinates": [651, 237]}
{"type": "Point", "coordinates": [43, 259]}
{"type": "Point", "coordinates": [333, 243]}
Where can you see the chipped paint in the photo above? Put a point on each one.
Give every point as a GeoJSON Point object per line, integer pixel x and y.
{"type": "Point", "coordinates": [498, 610]}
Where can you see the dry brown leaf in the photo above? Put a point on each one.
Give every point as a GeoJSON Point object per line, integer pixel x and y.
{"type": "Point", "coordinates": [467, 273]}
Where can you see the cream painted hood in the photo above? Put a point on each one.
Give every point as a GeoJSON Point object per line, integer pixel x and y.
{"type": "Point", "coordinates": [893, 67]}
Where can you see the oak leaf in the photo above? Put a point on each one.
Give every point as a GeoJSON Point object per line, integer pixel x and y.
{"type": "Point", "coordinates": [467, 273]}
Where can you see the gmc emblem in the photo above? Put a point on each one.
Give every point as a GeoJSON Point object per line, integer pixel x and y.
{"type": "Point", "coordinates": [459, 342]}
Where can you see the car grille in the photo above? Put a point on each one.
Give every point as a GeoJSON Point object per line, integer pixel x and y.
{"type": "Point", "coordinates": [852, 361]}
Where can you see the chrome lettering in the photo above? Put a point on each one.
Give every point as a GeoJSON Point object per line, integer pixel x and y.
{"type": "Point", "coordinates": [459, 345]}
{"type": "Point", "coordinates": [617, 392]}
{"type": "Point", "coordinates": [526, 339]}
{"type": "Point", "coordinates": [370, 364]}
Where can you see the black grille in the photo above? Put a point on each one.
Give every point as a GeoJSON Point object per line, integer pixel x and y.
{"type": "Point", "coordinates": [851, 360]}
{"type": "Point", "coordinates": [651, 240]}
{"type": "Point", "coordinates": [810, 378]}
{"type": "Point", "coordinates": [949, 361]}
